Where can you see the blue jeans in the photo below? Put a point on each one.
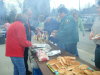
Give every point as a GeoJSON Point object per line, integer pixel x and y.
{"type": "Point", "coordinates": [19, 66]}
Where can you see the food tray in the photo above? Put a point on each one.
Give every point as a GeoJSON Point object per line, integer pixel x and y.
{"type": "Point", "coordinates": [51, 68]}
{"type": "Point", "coordinates": [71, 68]}
{"type": "Point", "coordinates": [89, 68]}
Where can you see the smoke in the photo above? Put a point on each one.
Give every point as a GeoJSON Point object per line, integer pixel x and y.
{"type": "Point", "coordinates": [39, 7]}
{"type": "Point", "coordinates": [2, 13]}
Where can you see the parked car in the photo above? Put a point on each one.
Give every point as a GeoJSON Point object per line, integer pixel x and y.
{"type": "Point", "coordinates": [2, 36]}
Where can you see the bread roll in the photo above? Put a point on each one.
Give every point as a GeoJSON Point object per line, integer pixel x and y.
{"type": "Point", "coordinates": [52, 62]}
{"type": "Point", "coordinates": [96, 73]}
{"type": "Point", "coordinates": [68, 73]}
{"type": "Point", "coordinates": [54, 67]}
{"type": "Point", "coordinates": [72, 67]}
{"type": "Point", "coordinates": [62, 70]}
{"type": "Point", "coordinates": [83, 66]}
{"type": "Point", "coordinates": [77, 71]}
{"type": "Point", "coordinates": [88, 72]}
{"type": "Point", "coordinates": [75, 63]}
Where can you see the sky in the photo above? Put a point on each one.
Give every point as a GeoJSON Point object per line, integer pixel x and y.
{"type": "Point", "coordinates": [70, 4]}
{"type": "Point", "coordinates": [12, 4]}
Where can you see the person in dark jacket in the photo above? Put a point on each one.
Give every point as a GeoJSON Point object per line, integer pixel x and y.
{"type": "Point", "coordinates": [50, 26]}
{"type": "Point", "coordinates": [68, 32]}
{"type": "Point", "coordinates": [16, 41]}
{"type": "Point", "coordinates": [27, 15]}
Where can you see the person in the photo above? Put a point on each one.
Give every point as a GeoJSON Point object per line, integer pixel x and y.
{"type": "Point", "coordinates": [51, 25]}
{"type": "Point", "coordinates": [27, 13]}
{"type": "Point", "coordinates": [95, 31]}
{"type": "Point", "coordinates": [16, 41]}
{"type": "Point", "coordinates": [7, 25]}
{"type": "Point", "coordinates": [79, 22]}
{"type": "Point", "coordinates": [41, 22]}
{"type": "Point", "coordinates": [28, 18]}
{"type": "Point", "coordinates": [68, 32]}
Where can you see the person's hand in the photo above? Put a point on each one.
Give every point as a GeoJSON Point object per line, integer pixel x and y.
{"type": "Point", "coordinates": [55, 31]}
{"type": "Point", "coordinates": [53, 34]}
{"type": "Point", "coordinates": [91, 35]}
{"type": "Point", "coordinates": [33, 46]}
{"type": "Point", "coordinates": [97, 38]}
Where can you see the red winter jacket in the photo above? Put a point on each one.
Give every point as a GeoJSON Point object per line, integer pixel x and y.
{"type": "Point", "coordinates": [16, 40]}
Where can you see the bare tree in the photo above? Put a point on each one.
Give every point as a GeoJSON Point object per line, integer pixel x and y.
{"type": "Point", "coordinates": [39, 7]}
{"type": "Point", "coordinates": [20, 4]}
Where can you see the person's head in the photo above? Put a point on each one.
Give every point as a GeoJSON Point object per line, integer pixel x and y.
{"type": "Point", "coordinates": [21, 18]}
{"type": "Point", "coordinates": [28, 12]}
{"type": "Point", "coordinates": [41, 18]}
{"type": "Point", "coordinates": [98, 7]}
{"type": "Point", "coordinates": [62, 12]}
{"type": "Point", "coordinates": [48, 19]}
{"type": "Point", "coordinates": [75, 14]}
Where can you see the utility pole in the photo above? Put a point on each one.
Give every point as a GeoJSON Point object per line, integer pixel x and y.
{"type": "Point", "coordinates": [79, 5]}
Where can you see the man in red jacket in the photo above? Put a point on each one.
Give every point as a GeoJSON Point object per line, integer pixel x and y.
{"type": "Point", "coordinates": [15, 43]}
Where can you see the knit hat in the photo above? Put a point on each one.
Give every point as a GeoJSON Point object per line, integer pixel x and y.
{"type": "Point", "coordinates": [63, 10]}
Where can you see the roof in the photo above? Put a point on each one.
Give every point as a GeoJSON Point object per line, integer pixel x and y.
{"type": "Point", "coordinates": [91, 10]}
